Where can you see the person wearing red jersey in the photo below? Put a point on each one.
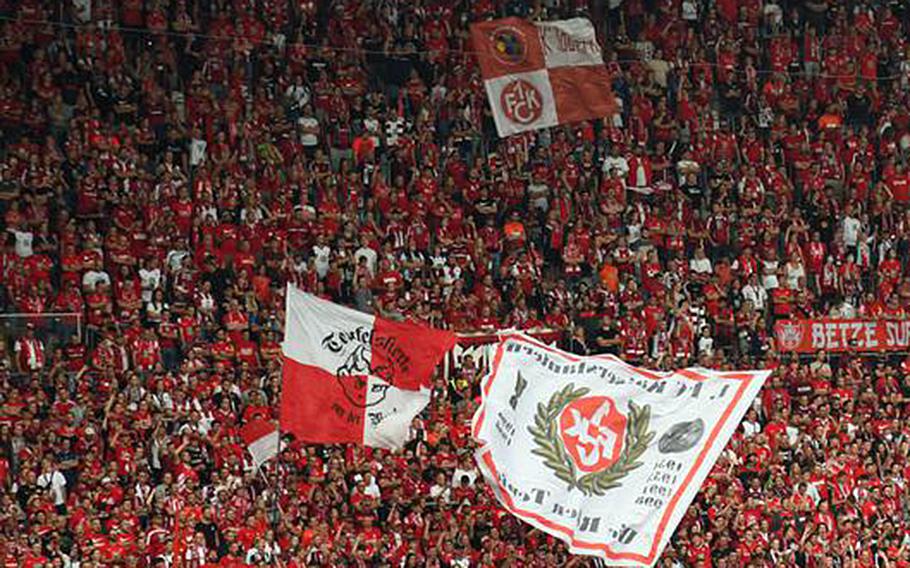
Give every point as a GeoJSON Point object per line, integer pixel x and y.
{"type": "Point", "coordinates": [634, 339]}
{"type": "Point", "coordinates": [146, 351]}
{"type": "Point", "coordinates": [29, 351]}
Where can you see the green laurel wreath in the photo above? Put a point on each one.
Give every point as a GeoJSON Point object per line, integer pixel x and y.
{"type": "Point", "coordinates": [556, 457]}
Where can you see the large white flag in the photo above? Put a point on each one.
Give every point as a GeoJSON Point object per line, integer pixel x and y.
{"type": "Point", "coordinates": [598, 453]}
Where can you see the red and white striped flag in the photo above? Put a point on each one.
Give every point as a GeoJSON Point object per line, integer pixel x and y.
{"type": "Point", "coordinates": [261, 439]}
{"type": "Point", "coordinates": [351, 377]}
{"type": "Point", "coordinates": [540, 74]}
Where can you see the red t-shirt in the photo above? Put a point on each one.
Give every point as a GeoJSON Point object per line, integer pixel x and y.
{"type": "Point", "coordinates": [900, 188]}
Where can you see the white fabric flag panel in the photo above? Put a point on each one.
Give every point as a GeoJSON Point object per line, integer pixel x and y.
{"type": "Point", "coordinates": [601, 454]}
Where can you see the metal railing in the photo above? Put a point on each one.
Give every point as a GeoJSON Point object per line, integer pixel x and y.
{"type": "Point", "coordinates": [54, 328]}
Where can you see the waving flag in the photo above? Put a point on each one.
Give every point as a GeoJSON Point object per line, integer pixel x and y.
{"type": "Point", "coordinates": [540, 74]}
{"type": "Point", "coordinates": [598, 453]}
{"type": "Point", "coordinates": [350, 377]}
{"type": "Point", "coordinates": [261, 440]}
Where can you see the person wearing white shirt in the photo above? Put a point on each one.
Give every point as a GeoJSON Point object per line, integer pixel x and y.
{"type": "Point", "coordinates": [705, 345]}
{"type": "Point", "coordinates": [751, 425]}
{"type": "Point", "coordinates": [701, 264]}
{"type": "Point", "coordinates": [616, 162]}
{"type": "Point", "coordinates": [162, 400]}
{"type": "Point", "coordinates": [372, 127]}
{"type": "Point", "coordinates": [440, 489]}
{"type": "Point", "coordinates": [660, 68]}
{"type": "Point", "coordinates": [845, 310]}
{"type": "Point", "coordinates": [755, 293]}
{"type": "Point", "coordinates": [92, 278]}
{"type": "Point", "coordinates": [23, 244]}
{"type": "Point", "coordinates": [820, 367]}
{"type": "Point", "coordinates": [321, 255]}
{"type": "Point", "coordinates": [198, 147]}
{"type": "Point", "coordinates": [769, 270]}
{"type": "Point", "coordinates": [150, 279]}
{"type": "Point", "coordinates": [53, 482]}
{"type": "Point", "coordinates": [309, 128]}
{"type": "Point", "coordinates": [538, 194]}
{"type": "Point", "coordinates": [851, 227]}
{"type": "Point", "coordinates": [253, 214]}
{"type": "Point", "coordinates": [460, 473]}
{"type": "Point", "coordinates": [372, 488]}
{"type": "Point", "coordinates": [795, 272]}
{"type": "Point", "coordinates": [792, 434]}
{"type": "Point", "coordinates": [395, 128]}
{"type": "Point", "coordinates": [689, 10]}
{"type": "Point", "coordinates": [367, 252]}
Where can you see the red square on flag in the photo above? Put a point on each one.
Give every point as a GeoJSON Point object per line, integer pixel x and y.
{"type": "Point", "coordinates": [581, 91]}
{"type": "Point", "coordinates": [507, 46]}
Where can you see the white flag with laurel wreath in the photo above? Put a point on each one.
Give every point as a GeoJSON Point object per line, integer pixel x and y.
{"type": "Point", "coordinates": [599, 453]}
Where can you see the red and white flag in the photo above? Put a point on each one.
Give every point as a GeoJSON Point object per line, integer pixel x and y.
{"type": "Point", "coordinates": [599, 453]}
{"type": "Point", "coordinates": [351, 377]}
{"type": "Point", "coordinates": [540, 74]}
{"type": "Point", "coordinates": [261, 440]}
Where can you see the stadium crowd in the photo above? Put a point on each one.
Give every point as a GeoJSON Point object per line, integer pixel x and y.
{"type": "Point", "coordinates": [167, 166]}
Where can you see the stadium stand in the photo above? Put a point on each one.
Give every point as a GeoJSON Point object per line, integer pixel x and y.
{"type": "Point", "coordinates": [167, 166]}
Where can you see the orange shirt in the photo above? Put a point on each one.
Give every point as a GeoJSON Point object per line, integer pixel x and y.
{"type": "Point", "coordinates": [609, 275]}
{"type": "Point", "coordinates": [514, 230]}
{"type": "Point", "coordinates": [829, 121]}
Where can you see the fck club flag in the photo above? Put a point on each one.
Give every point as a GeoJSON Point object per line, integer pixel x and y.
{"type": "Point", "coordinates": [261, 440]}
{"type": "Point", "coordinates": [601, 454]}
{"type": "Point", "coordinates": [350, 377]}
{"type": "Point", "coordinates": [540, 74]}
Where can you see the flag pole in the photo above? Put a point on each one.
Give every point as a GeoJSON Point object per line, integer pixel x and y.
{"type": "Point", "coordinates": [278, 475]}
{"type": "Point", "coordinates": [275, 485]}
{"type": "Point", "coordinates": [178, 543]}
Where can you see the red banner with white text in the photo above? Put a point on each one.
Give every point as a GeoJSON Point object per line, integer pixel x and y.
{"type": "Point", "coordinates": [842, 335]}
